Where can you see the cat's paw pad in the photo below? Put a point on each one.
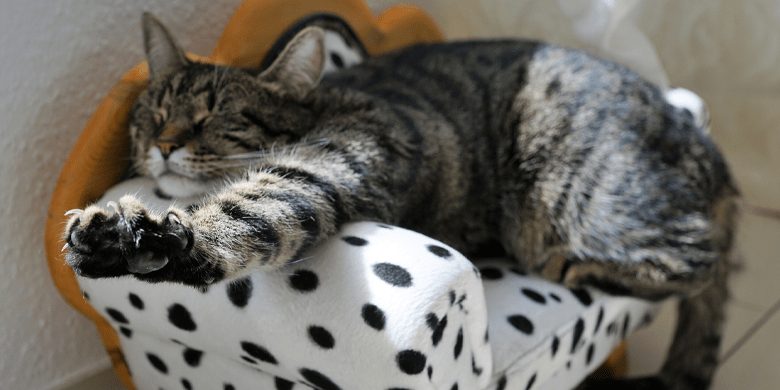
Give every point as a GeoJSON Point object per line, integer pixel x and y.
{"type": "Point", "coordinates": [126, 238]}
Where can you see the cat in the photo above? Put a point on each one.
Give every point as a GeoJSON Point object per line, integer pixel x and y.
{"type": "Point", "coordinates": [575, 167]}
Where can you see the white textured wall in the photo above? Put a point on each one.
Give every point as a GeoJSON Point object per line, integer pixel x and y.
{"type": "Point", "coordinates": [58, 58]}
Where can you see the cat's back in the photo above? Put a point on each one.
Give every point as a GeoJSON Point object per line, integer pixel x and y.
{"type": "Point", "coordinates": [484, 77]}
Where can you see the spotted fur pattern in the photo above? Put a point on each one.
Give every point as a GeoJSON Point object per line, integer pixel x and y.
{"type": "Point", "coordinates": [574, 166]}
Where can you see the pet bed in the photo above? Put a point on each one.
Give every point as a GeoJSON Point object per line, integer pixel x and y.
{"type": "Point", "coordinates": [362, 312]}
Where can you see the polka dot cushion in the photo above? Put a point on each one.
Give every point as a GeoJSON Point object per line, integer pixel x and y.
{"type": "Point", "coordinates": [376, 307]}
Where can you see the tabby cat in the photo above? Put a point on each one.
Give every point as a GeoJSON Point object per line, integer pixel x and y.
{"type": "Point", "coordinates": [576, 167]}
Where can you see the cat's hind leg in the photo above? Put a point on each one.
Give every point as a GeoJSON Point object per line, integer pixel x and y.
{"type": "Point", "coordinates": [694, 353]}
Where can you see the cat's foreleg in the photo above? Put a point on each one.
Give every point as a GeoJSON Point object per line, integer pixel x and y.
{"type": "Point", "coordinates": [267, 219]}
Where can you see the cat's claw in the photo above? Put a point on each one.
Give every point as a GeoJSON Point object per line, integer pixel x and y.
{"type": "Point", "coordinates": [172, 218]}
{"type": "Point", "coordinates": [74, 239]}
{"type": "Point", "coordinates": [74, 212]}
{"type": "Point", "coordinates": [114, 206]}
{"type": "Point", "coordinates": [126, 238]}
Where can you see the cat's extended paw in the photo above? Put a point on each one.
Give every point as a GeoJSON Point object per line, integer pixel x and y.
{"type": "Point", "coordinates": [125, 239]}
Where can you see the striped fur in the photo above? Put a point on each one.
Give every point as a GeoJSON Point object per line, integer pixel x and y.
{"type": "Point", "coordinates": [574, 166]}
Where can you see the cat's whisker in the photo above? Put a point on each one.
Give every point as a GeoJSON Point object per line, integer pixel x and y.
{"type": "Point", "coordinates": [245, 156]}
{"type": "Point", "coordinates": [219, 83]}
{"type": "Point", "coordinates": [246, 92]}
{"type": "Point", "coordinates": [300, 260]}
{"type": "Point", "coordinates": [214, 82]}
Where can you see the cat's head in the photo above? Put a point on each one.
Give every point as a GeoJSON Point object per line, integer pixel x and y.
{"type": "Point", "coordinates": [195, 121]}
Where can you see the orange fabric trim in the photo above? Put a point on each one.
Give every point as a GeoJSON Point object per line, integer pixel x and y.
{"type": "Point", "coordinates": [100, 154]}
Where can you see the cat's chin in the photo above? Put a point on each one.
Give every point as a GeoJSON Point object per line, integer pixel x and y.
{"type": "Point", "coordinates": [176, 186]}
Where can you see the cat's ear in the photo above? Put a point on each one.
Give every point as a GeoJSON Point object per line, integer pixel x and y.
{"type": "Point", "coordinates": [298, 69]}
{"type": "Point", "coordinates": [163, 54]}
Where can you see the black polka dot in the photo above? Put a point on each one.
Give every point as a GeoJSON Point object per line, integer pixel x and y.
{"type": "Point", "coordinates": [228, 386]}
{"type": "Point", "coordinates": [282, 384]}
{"type": "Point", "coordinates": [125, 331]}
{"type": "Point", "coordinates": [336, 58]}
{"type": "Point", "coordinates": [501, 383]}
{"type": "Point", "coordinates": [319, 380]}
{"type": "Point", "coordinates": [356, 241]}
{"type": "Point", "coordinates": [487, 337]}
{"type": "Point", "coordinates": [626, 323]}
{"type": "Point", "coordinates": [321, 337]}
{"type": "Point", "coordinates": [611, 328]}
{"type": "Point", "coordinates": [555, 344]}
{"type": "Point", "coordinates": [410, 361]}
{"type": "Point", "coordinates": [432, 320]}
{"type": "Point", "coordinates": [578, 329]}
{"type": "Point", "coordinates": [522, 323]}
{"type": "Point", "coordinates": [136, 301]}
{"type": "Point", "coordinates": [258, 352]}
{"type": "Point", "coordinates": [555, 297]}
{"type": "Point", "coordinates": [589, 356]}
{"type": "Point", "coordinates": [240, 291]}
{"type": "Point", "coordinates": [647, 319]}
{"type": "Point", "coordinates": [531, 382]}
{"type": "Point", "coordinates": [452, 296]}
{"type": "Point", "coordinates": [192, 357]}
{"type": "Point", "coordinates": [430, 372]}
{"type": "Point", "coordinates": [583, 296]}
{"type": "Point", "coordinates": [117, 315]}
{"type": "Point", "coordinates": [454, 387]}
{"type": "Point", "coordinates": [186, 384]}
{"type": "Point", "coordinates": [491, 273]}
{"type": "Point", "coordinates": [180, 317]}
{"type": "Point", "coordinates": [383, 226]}
{"type": "Point", "coordinates": [157, 363]}
{"type": "Point", "coordinates": [461, 299]}
{"type": "Point", "coordinates": [534, 296]}
{"type": "Point", "coordinates": [439, 331]}
{"type": "Point", "coordinates": [85, 295]}
{"type": "Point", "coordinates": [458, 344]}
{"type": "Point", "coordinates": [568, 364]}
{"type": "Point", "coordinates": [599, 319]}
{"type": "Point", "coordinates": [439, 251]}
{"type": "Point", "coordinates": [474, 369]}
{"type": "Point", "coordinates": [393, 274]}
{"type": "Point", "coordinates": [373, 316]}
{"type": "Point", "coordinates": [304, 280]}
{"type": "Point", "coordinates": [249, 359]}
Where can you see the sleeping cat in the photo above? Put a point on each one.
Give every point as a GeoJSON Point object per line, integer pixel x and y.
{"type": "Point", "coordinates": [575, 167]}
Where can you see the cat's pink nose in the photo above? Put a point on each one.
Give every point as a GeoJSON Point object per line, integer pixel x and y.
{"type": "Point", "coordinates": [166, 148]}
{"type": "Point", "coordinates": [171, 139]}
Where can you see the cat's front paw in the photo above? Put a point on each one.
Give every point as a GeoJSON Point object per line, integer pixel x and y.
{"type": "Point", "coordinates": [127, 239]}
